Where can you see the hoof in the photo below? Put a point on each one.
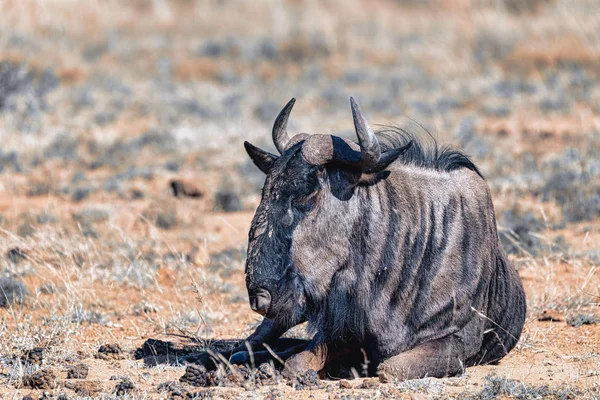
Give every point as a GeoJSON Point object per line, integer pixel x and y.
{"type": "Point", "coordinates": [201, 359]}
{"type": "Point", "coordinates": [239, 358]}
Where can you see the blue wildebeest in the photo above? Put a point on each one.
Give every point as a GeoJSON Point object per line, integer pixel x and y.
{"type": "Point", "coordinates": [383, 246]}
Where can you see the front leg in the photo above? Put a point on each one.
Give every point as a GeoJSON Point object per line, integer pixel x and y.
{"type": "Point", "coordinates": [290, 347]}
{"type": "Point", "coordinates": [267, 332]}
{"type": "Point", "coordinates": [436, 358]}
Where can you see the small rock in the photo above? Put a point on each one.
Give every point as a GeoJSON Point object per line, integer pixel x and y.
{"type": "Point", "coordinates": [155, 347]}
{"type": "Point", "coordinates": [308, 380]}
{"type": "Point", "coordinates": [43, 379]}
{"type": "Point", "coordinates": [344, 384]}
{"type": "Point", "coordinates": [110, 352]}
{"type": "Point", "coordinates": [84, 388]}
{"type": "Point", "coordinates": [33, 356]}
{"type": "Point", "coordinates": [371, 383]}
{"type": "Point", "coordinates": [194, 376]}
{"type": "Point", "coordinates": [551, 316]}
{"type": "Point", "coordinates": [182, 188]}
{"type": "Point", "coordinates": [80, 193]}
{"type": "Point", "coordinates": [79, 371]}
{"type": "Point", "coordinates": [124, 387]}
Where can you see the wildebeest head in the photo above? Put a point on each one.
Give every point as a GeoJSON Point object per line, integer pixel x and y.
{"type": "Point", "coordinates": [303, 184]}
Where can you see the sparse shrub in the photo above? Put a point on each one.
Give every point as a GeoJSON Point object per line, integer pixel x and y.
{"type": "Point", "coordinates": [48, 288]}
{"type": "Point", "coordinates": [81, 315]}
{"type": "Point", "coordinates": [254, 177]}
{"type": "Point", "coordinates": [92, 215]}
{"type": "Point", "coordinates": [14, 77]}
{"type": "Point", "coordinates": [136, 194]}
{"type": "Point", "coordinates": [582, 319]}
{"type": "Point", "coordinates": [11, 160]}
{"type": "Point", "coordinates": [172, 166]}
{"type": "Point", "coordinates": [517, 232]}
{"type": "Point", "coordinates": [173, 388]}
{"type": "Point", "coordinates": [138, 272]}
{"type": "Point", "coordinates": [145, 307]}
{"type": "Point", "coordinates": [167, 219]}
{"type": "Point", "coordinates": [302, 49]}
{"type": "Point", "coordinates": [525, 6]}
{"type": "Point", "coordinates": [16, 255]}
{"type": "Point", "coordinates": [584, 205]}
{"type": "Point", "coordinates": [12, 291]}
{"type": "Point", "coordinates": [501, 387]}
{"type": "Point", "coordinates": [33, 356]}
{"type": "Point", "coordinates": [38, 189]}
{"type": "Point", "coordinates": [45, 218]}
{"type": "Point", "coordinates": [227, 261]}
{"type": "Point", "coordinates": [163, 215]}
{"type": "Point", "coordinates": [572, 184]}
{"type": "Point", "coordinates": [493, 44]}
{"type": "Point", "coordinates": [63, 147]}
{"type": "Point", "coordinates": [121, 152]}
{"type": "Point", "coordinates": [555, 105]}
{"type": "Point", "coordinates": [227, 199]}
{"type": "Point", "coordinates": [80, 193]}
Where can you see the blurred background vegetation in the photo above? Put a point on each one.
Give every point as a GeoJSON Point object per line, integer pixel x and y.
{"type": "Point", "coordinates": [126, 195]}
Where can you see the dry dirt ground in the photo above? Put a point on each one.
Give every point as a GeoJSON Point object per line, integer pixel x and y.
{"type": "Point", "coordinates": [104, 106]}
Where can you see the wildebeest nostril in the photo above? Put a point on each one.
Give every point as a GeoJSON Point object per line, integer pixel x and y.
{"type": "Point", "coordinates": [260, 301]}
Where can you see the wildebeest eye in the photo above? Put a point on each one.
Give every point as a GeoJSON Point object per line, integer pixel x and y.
{"type": "Point", "coordinates": [304, 204]}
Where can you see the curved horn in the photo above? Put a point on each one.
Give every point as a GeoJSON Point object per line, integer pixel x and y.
{"type": "Point", "coordinates": [280, 135]}
{"type": "Point", "coordinates": [369, 145]}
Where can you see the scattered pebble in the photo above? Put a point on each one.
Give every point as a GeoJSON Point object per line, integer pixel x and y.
{"type": "Point", "coordinates": [181, 188]}
{"type": "Point", "coordinates": [42, 379]}
{"type": "Point", "coordinates": [308, 380]}
{"type": "Point", "coordinates": [238, 376]}
{"type": "Point", "coordinates": [12, 291]}
{"type": "Point", "coordinates": [110, 352]}
{"type": "Point", "coordinates": [124, 387]}
{"type": "Point", "coordinates": [79, 371]}
{"type": "Point", "coordinates": [33, 356]}
{"type": "Point", "coordinates": [344, 384]}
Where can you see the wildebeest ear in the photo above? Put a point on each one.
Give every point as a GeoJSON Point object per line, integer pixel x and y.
{"type": "Point", "coordinates": [262, 159]}
{"type": "Point", "coordinates": [387, 158]}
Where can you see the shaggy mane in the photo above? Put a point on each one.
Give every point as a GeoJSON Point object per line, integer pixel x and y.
{"type": "Point", "coordinates": [441, 158]}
